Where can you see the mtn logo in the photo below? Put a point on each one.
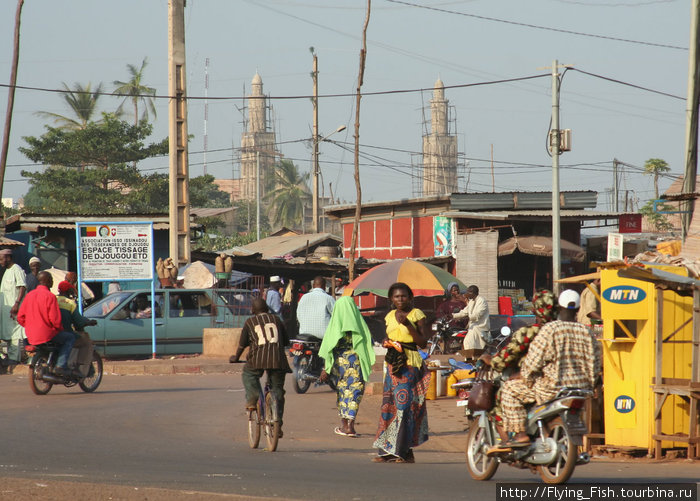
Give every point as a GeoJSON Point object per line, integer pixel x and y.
{"type": "Point", "coordinates": [624, 404]}
{"type": "Point", "coordinates": [624, 294]}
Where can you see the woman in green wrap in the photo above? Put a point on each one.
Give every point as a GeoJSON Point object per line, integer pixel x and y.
{"type": "Point", "coordinates": [348, 352]}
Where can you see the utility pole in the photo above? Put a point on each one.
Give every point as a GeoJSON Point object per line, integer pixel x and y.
{"type": "Point", "coordinates": [314, 75]}
{"type": "Point", "coordinates": [556, 230]}
{"type": "Point", "coordinates": [179, 193]}
{"type": "Point", "coordinates": [616, 188]}
{"type": "Point", "coordinates": [691, 120]}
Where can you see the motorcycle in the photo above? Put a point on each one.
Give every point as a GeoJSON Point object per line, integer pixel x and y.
{"type": "Point", "coordinates": [42, 367]}
{"type": "Point", "coordinates": [307, 364]}
{"type": "Point", "coordinates": [445, 339]}
{"type": "Point", "coordinates": [555, 429]}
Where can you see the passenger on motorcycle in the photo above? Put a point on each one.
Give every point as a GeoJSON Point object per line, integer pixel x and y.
{"type": "Point", "coordinates": [74, 322]}
{"type": "Point", "coordinates": [453, 304]}
{"type": "Point", "coordinates": [477, 311]}
{"type": "Point", "coordinates": [265, 335]}
{"type": "Point", "coordinates": [314, 310]}
{"type": "Point", "coordinates": [41, 319]}
{"type": "Point", "coordinates": [506, 361]}
{"type": "Point", "coordinates": [564, 354]}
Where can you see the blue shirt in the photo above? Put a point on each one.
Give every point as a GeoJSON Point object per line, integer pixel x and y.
{"type": "Point", "coordinates": [273, 301]}
{"type": "Point", "coordinates": [314, 312]}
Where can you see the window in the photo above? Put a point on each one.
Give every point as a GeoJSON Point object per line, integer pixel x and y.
{"type": "Point", "coordinates": [190, 304]}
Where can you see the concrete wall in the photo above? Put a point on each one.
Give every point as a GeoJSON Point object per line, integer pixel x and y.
{"type": "Point", "coordinates": [221, 342]}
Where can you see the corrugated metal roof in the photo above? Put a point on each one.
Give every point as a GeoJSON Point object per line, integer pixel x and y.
{"type": "Point", "coordinates": [210, 212]}
{"type": "Point", "coordinates": [527, 214]}
{"type": "Point", "coordinates": [522, 200]}
{"type": "Point", "coordinates": [8, 242]}
{"type": "Point", "coordinates": [289, 244]}
{"type": "Point", "coordinates": [71, 226]}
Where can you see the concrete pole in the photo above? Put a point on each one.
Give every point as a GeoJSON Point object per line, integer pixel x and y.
{"type": "Point", "coordinates": [556, 230]}
{"type": "Point", "coordinates": [257, 194]}
{"type": "Point", "coordinates": [315, 152]}
{"type": "Point", "coordinates": [691, 120]}
{"type": "Point", "coordinates": [179, 193]}
{"type": "Point", "coordinates": [616, 188]}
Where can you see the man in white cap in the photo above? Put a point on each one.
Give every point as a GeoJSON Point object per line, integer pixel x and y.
{"type": "Point", "coordinates": [34, 269]}
{"type": "Point", "coordinates": [13, 288]}
{"type": "Point", "coordinates": [273, 299]}
{"type": "Point", "coordinates": [564, 353]}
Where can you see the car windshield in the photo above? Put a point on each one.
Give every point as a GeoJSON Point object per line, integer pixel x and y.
{"type": "Point", "coordinates": [106, 305]}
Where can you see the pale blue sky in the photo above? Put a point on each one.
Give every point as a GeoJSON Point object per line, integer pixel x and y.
{"type": "Point", "coordinates": [408, 48]}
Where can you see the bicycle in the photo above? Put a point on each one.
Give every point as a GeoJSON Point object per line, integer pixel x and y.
{"type": "Point", "coordinates": [265, 416]}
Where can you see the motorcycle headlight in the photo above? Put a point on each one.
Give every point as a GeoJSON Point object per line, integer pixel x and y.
{"type": "Point", "coordinates": [434, 326]}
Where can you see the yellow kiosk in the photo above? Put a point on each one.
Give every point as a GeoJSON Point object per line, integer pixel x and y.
{"type": "Point", "coordinates": [650, 357]}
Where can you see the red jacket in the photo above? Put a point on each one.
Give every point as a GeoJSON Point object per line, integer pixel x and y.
{"type": "Point", "coordinates": [40, 315]}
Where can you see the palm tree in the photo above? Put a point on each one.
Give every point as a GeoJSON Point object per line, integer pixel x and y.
{"type": "Point", "coordinates": [82, 102]}
{"type": "Point", "coordinates": [290, 194]}
{"type": "Point", "coordinates": [656, 167]}
{"type": "Point", "coordinates": [135, 91]}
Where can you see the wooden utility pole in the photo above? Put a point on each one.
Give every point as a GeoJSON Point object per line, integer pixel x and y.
{"type": "Point", "coordinates": [691, 119]}
{"type": "Point", "coordinates": [10, 98]}
{"type": "Point", "coordinates": [177, 111]}
{"type": "Point", "coordinates": [358, 187]}
{"type": "Point", "coordinates": [314, 75]}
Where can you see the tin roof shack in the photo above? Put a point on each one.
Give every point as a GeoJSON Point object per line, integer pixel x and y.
{"type": "Point", "coordinates": [208, 217]}
{"type": "Point", "coordinates": [467, 227]}
{"type": "Point", "coordinates": [51, 237]}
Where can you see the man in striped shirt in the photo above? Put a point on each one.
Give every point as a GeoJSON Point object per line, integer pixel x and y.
{"type": "Point", "coordinates": [266, 337]}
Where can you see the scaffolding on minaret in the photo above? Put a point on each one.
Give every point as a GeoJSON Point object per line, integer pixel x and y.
{"type": "Point", "coordinates": [440, 168]}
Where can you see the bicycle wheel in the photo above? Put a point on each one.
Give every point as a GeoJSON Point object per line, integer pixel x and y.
{"type": "Point", "coordinates": [36, 382]}
{"type": "Point", "coordinates": [253, 428]}
{"type": "Point", "coordinates": [272, 424]}
{"type": "Point", "coordinates": [90, 382]}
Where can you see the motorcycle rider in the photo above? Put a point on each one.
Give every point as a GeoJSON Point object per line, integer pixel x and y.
{"type": "Point", "coordinates": [265, 335]}
{"type": "Point", "coordinates": [454, 303]}
{"type": "Point", "coordinates": [563, 354]}
{"type": "Point", "coordinates": [71, 317]}
{"type": "Point", "coordinates": [314, 310]}
{"type": "Point", "coordinates": [477, 311]}
{"type": "Point", "coordinates": [41, 318]}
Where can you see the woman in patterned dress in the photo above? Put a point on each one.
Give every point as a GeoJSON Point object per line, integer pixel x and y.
{"type": "Point", "coordinates": [403, 422]}
{"type": "Point", "coordinates": [349, 355]}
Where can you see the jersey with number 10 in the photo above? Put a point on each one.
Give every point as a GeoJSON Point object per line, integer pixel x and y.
{"type": "Point", "coordinates": [266, 338]}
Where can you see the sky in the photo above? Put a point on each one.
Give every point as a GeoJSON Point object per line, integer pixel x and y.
{"type": "Point", "coordinates": [470, 44]}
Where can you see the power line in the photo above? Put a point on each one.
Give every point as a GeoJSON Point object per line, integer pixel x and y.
{"type": "Point", "coordinates": [539, 27]}
{"type": "Point", "coordinates": [609, 79]}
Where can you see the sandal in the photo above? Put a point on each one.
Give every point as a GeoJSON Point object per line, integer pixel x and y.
{"type": "Point", "coordinates": [382, 459]}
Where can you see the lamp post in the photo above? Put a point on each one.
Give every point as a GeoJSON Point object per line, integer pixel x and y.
{"type": "Point", "coordinates": [316, 172]}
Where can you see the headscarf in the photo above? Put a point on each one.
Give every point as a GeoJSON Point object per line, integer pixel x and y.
{"type": "Point", "coordinates": [346, 317]}
{"type": "Point", "coordinates": [450, 285]}
{"type": "Point", "coordinates": [544, 307]}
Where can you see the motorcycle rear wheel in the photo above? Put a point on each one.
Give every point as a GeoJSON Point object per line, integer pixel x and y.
{"type": "Point", "coordinates": [36, 383]}
{"type": "Point", "coordinates": [565, 462]}
{"type": "Point", "coordinates": [301, 371]}
{"type": "Point", "coordinates": [90, 383]}
{"type": "Point", "coordinates": [480, 466]}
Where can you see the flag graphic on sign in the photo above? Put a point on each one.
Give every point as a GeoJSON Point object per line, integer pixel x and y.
{"type": "Point", "coordinates": [88, 231]}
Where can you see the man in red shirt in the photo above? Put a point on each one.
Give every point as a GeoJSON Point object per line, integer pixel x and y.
{"type": "Point", "coordinates": [41, 319]}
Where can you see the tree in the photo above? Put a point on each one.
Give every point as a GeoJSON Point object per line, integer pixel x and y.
{"type": "Point", "coordinates": [656, 167]}
{"type": "Point", "coordinates": [290, 195]}
{"type": "Point", "coordinates": [97, 144]}
{"type": "Point", "coordinates": [136, 92]}
{"type": "Point", "coordinates": [82, 102]}
{"type": "Point", "coordinates": [660, 222]}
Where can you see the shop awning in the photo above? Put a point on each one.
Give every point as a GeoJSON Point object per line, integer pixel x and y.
{"type": "Point", "coordinates": [538, 245]}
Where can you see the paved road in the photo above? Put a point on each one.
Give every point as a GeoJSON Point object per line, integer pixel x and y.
{"type": "Point", "coordinates": [172, 436]}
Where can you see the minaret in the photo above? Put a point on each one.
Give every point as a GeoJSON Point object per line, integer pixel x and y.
{"type": "Point", "coordinates": [257, 139]}
{"type": "Point", "coordinates": [439, 148]}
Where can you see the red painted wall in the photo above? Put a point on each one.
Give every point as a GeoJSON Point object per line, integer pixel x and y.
{"type": "Point", "coordinates": [399, 238]}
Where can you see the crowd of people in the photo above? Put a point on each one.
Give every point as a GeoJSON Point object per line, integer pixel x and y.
{"type": "Point", "coordinates": [556, 351]}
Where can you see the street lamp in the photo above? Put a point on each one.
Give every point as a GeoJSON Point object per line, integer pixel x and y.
{"type": "Point", "coordinates": [316, 171]}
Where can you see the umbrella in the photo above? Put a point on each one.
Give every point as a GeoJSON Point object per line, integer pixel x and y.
{"type": "Point", "coordinates": [60, 275]}
{"type": "Point", "coordinates": [540, 246]}
{"type": "Point", "coordinates": [423, 278]}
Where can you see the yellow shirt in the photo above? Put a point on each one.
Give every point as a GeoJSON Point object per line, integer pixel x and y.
{"type": "Point", "coordinates": [399, 332]}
